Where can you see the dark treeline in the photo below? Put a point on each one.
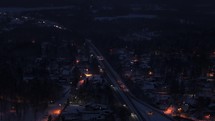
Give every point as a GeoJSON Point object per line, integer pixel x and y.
{"type": "Point", "coordinates": [14, 88]}
{"type": "Point", "coordinates": [183, 4]}
{"type": "Point", "coordinates": [19, 50]}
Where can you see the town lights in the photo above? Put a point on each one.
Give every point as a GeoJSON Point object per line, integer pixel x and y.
{"type": "Point", "coordinates": [77, 61]}
{"type": "Point", "coordinates": [88, 75]}
{"type": "Point", "coordinates": [150, 113]}
{"type": "Point", "coordinates": [150, 73]}
{"type": "Point", "coordinates": [56, 112]}
{"type": "Point", "coordinates": [133, 115]}
{"type": "Point", "coordinates": [211, 74]}
{"type": "Point", "coordinates": [207, 116]}
{"type": "Point", "coordinates": [169, 110]}
{"type": "Point", "coordinates": [179, 110]}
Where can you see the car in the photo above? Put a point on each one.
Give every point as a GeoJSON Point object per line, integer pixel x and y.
{"type": "Point", "coordinates": [100, 58]}
{"type": "Point", "coordinates": [150, 113]}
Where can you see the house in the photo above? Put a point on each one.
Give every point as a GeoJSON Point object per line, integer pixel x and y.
{"type": "Point", "coordinates": [89, 112]}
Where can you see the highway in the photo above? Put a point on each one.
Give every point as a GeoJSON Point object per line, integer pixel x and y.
{"type": "Point", "coordinates": [140, 111]}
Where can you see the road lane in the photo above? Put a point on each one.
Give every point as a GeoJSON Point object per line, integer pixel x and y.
{"type": "Point", "coordinates": [141, 109]}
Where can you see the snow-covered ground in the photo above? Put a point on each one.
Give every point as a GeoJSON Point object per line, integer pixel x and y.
{"type": "Point", "coordinates": [31, 114]}
{"type": "Point", "coordinates": [149, 114]}
{"type": "Point", "coordinates": [55, 109]}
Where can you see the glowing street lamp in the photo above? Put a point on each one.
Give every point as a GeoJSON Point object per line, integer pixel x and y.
{"type": "Point", "coordinates": [56, 112]}
{"type": "Point", "coordinates": [150, 73]}
{"type": "Point", "coordinates": [179, 110]}
{"type": "Point", "coordinates": [207, 116]}
{"type": "Point", "coordinates": [77, 61]}
{"type": "Point", "coordinates": [87, 69]}
{"type": "Point", "coordinates": [211, 75]}
{"type": "Point", "coordinates": [169, 110]}
{"type": "Point", "coordinates": [88, 75]}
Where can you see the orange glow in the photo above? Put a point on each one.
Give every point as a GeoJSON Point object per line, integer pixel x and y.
{"type": "Point", "coordinates": [210, 74]}
{"type": "Point", "coordinates": [57, 112]}
{"type": "Point", "coordinates": [183, 116]}
{"type": "Point", "coordinates": [180, 110]}
{"type": "Point", "coordinates": [88, 75]}
{"type": "Point", "coordinates": [207, 116]}
{"type": "Point", "coordinates": [169, 110]}
{"type": "Point", "coordinates": [81, 82]}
